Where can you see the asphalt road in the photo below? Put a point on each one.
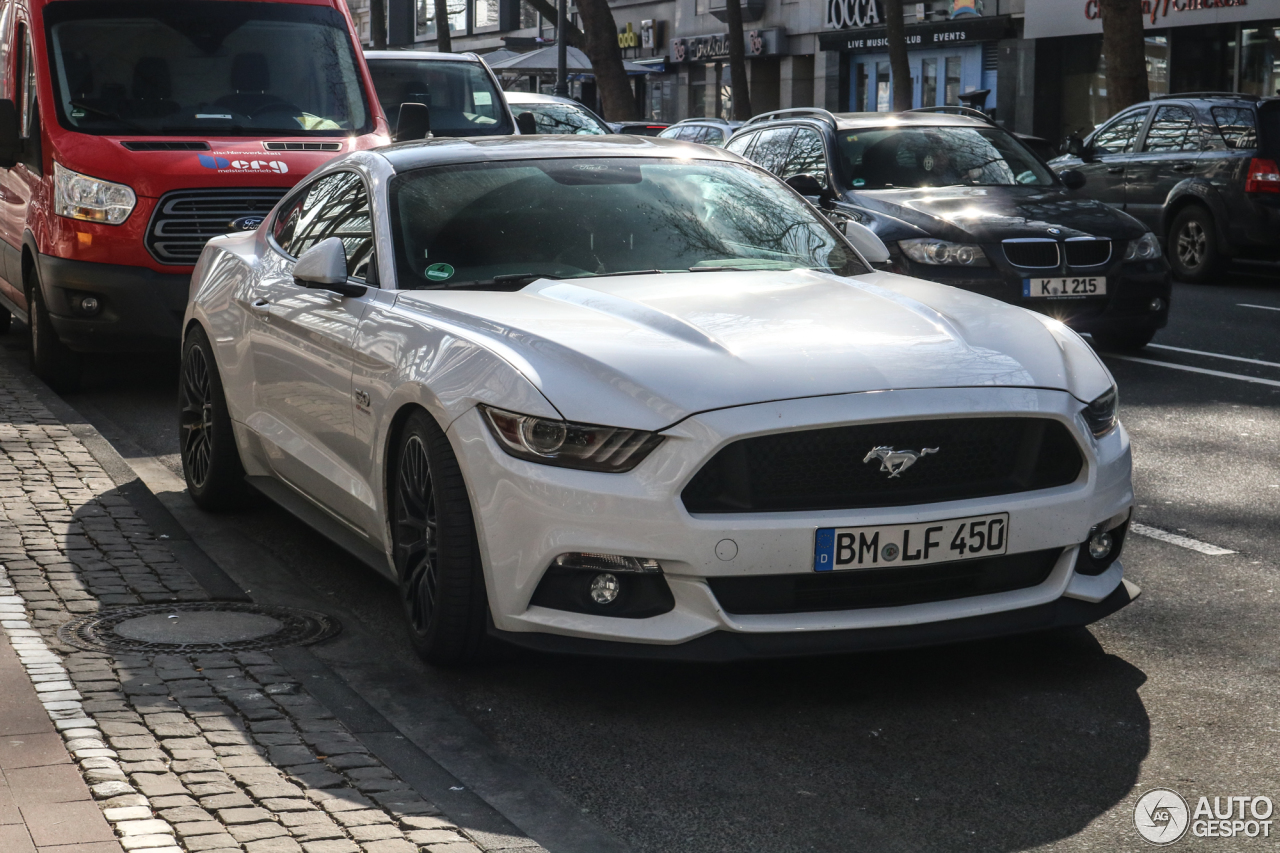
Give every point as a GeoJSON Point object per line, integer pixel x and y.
{"type": "Point", "coordinates": [1040, 743]}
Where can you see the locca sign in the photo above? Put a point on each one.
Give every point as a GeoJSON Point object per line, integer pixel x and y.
{"type": "Point", "coordinates": [1050, 18]}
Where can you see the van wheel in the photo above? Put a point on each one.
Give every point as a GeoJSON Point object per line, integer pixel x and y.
{"type": "Point", "coordinates": [437, 556]}
{"type": "Point", "coordinates": [6, 321]}
{"type": "Point", "coordinates": [1124, 339]}
{"type": "Point", "coordinates": [51, 360]}
{"type": "Point", "coordinates": [210, 459]}
{"type": "Point", "coordinates": [1193, 246]}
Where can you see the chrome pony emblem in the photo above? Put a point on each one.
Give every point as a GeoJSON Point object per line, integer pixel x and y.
{"type": "Point", "coordinates": [897, 461]}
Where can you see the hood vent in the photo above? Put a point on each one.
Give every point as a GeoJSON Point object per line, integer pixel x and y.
{"type": "Point", "coordinates": [302, 146]}
{"type": "Point", "coordinates": [165, 146]}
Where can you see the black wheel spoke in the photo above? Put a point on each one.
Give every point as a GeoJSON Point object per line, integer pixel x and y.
{"type": "Point", "coordinates": [417, 557]}
{"type": "Point", "coordinates": [196, 399]}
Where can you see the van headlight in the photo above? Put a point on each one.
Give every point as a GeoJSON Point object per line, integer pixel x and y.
{"type": "Point", "coordinates": [570, 445]}
{"type": "Point", "coordinates": [1145, 248]}
{"type": "Point", "coordinates": [926, 250]}
{"type": "Point", "coordinates": [78, 196]}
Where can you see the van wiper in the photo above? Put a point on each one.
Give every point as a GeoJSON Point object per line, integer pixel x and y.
{"type": "Point", "coordinates": [117, 117]}
{"type": "Point", "coordinates": [512, 280]}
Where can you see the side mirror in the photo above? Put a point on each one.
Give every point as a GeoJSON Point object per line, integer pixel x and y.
{"type": "Point", "coordinates": [867, 242]}
{"type": "Point", "coordinates": [10, 142]}
{"type": "Point", "coordinates": [1071, 179]}
{"type": "Point", "coordinates": [527, 124]}
{"type": "Point", "coordinates": [324, 267]}
{"type": "Point", "coordinates": [414, 123]}
{"type": "Point", "coordinates": [806, 185]}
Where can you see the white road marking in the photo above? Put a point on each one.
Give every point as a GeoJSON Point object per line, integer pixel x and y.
{"type": "Point", "coordinates": [1214, 355]}
{"type": "Point", "coordinates": [1180, 541]}
{"type": "Point", "coordinates": [1263, 307]}
{"type": "Point", "coordinates": [1273, 383]}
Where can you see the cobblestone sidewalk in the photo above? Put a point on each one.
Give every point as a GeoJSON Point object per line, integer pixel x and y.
{"type": "Point", "coordinates": [204, 753]}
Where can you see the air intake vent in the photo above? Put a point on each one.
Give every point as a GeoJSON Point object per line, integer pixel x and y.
{"type": "Point", "coordinates": [184, 220]}
{"type": "Point", "coordinates": [1032, 254]}
{"type": "Point", "coordinates": [302, 146]}
{"type": "Point", "coordinates": [1087, 253]}
{"type": "Point", "coordinates": [165, 146]}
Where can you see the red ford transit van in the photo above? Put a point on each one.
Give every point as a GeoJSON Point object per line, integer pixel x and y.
{"type": "Point", "coordinates": [132, 131]}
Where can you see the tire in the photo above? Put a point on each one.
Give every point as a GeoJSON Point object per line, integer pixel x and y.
{"type": "Point", "coordinates": [207, 444]}
{"type": "Point", "coordinates": [1124, 339]}
{"type": "Point", "coordinates": [6, 321]}
{"type": "Point", "coordinates": [1193, 246]}
{"type": "Point", "coordinates": [437, 557]}
{"type": "Point", "coordinates": [51, 360]}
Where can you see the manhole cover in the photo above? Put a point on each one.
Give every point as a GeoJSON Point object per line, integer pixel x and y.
{"type": "Point", "coordinates": [197, 628]}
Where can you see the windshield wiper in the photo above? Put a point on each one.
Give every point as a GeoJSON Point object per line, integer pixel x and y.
{"type": "Point", "coordinates": [626, 272]}
{"type": "Point", "coordinates": [117, 117]}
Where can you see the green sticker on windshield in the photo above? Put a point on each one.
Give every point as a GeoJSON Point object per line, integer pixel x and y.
{"type": "Point", "coordinates": [439, 272]}
{"type": "Point", "coordinates": [858, 182]}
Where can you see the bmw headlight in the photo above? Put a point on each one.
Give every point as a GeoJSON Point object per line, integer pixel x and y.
{"type": "Point", "coordinates": [1145, 248]}
{"type": "Point", "coordinates": [78, 196]}
{"type": "Point", "coordinates": [1103, 414]}
{"type": "Point", "coordinates": [570, 445]}
{"type": "Point", "coordinates": [926, 250]}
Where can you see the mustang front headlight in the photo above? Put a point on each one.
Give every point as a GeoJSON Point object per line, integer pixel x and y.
{"type": "Point", "coordinates": [570, 445]}
{"type": "Point", "coordinates": [1102, 414]}
{"type": "Point", "coordinates": [78, 196]}
{"type": "Point", "coordinates": [1145, 248]}
{"type": "Point", "coordinates": [926, 250]}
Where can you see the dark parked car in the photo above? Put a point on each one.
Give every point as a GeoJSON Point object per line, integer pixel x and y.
{"type": "Point", "coordinates": [639, 128]}
{"type": "Point", "coordinates": [1199, 170]}
{"type": "Point", "coordinates": [961, 201]}
{"type": "Point", "coordinates": [706, 131]}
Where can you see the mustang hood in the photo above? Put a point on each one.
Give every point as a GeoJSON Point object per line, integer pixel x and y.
{"type": "Point", "coordinates": [648, 351]}
{"type": "Point", "coordinates": [992, 214]}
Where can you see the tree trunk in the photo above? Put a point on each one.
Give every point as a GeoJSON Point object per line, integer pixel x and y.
{"type": "Point", "coordinates": [444, 37]}
{"type": "Point", "coordinates": [1124, 50]}
{"type": "Point", "coordinates": [549, 12]}
{"type": "Point", "coordinates": [378, 24]}
{"type": "Point", "coordinates": [737, 62]}
{"type": "Point", "coordinates": [899, 66]}
{"type": "Point", "coordinates": [602, 49]}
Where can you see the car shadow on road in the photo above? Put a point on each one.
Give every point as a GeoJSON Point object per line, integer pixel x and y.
{"type": "Point", "coordinates": [1000, 745]}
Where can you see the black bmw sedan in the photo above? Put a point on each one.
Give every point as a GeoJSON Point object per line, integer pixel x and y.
{"type": "Point", "coordinates": [961, 201]}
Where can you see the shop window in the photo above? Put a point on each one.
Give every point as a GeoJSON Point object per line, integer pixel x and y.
{"type": "Point", "coordinates": [1260, 61]}
{"type": "Point", "coordinates": [528, 16]}
{"type": "Point", "coordinates": [697, 92]}
{"type": "Point", "coordinates": [929, 83]}
{"type": "Point", "coordinates": [953, 81]}
{"type": "Point", "coordinates": [484, 13]}
{"type": "Point", "coordinates": [1173, 129]}
{"type": "Point", "coordinates": [1206, 56]}
{"type": "Point", "coordinates": [1238, 126]}
{"type": "Point", "coordinates": [884, 88]}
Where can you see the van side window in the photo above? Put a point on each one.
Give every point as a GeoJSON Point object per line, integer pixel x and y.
{"type": "Point", "coordinates": [337, 205]}
{"type": "Point", "coordinates": [29, 117]}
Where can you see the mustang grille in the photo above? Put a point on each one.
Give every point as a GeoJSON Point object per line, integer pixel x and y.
{"type": "Point", "coordinates": [1033, 254]}
{"type": "Point", "coordinates": [184, 220]}
{"type": "Point", "coordinates": [896, 587]}
{"type": "Point", "coordinates": [821, 469]}
{"type": "Point", "coordinates": [1087, 253]}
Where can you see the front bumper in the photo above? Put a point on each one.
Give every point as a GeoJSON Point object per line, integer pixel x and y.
{"type": "Point", "coordinates": [528, 514]}
{"type": "Point", "coordinates": [140, 309]}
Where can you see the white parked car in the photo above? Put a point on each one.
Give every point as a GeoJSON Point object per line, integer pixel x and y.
{"type": "Point", "coordinates": [620, 395]}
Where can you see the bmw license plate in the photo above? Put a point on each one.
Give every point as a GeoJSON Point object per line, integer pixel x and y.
{"type": "Point", "coordinates": [1058, 288]}
{"type": "Point", "coordinates": [893, 545]}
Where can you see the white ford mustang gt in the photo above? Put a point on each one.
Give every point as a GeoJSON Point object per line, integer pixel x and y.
{"type": "Point", "coordinates": [632, 396]}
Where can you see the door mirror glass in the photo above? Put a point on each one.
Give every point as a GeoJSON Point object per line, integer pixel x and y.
{"type": "Point", "coordinates": [10, 141]}
{"type": "Point", "coordinates": [1071, 179]}
{"type": "Point", "coordinates": [414, 123]}
{"type": "Point", "coordinates": [527, 124]}
{"type": "Point", "coordinates": [867, 242]}
{"type": "Point", "coordinates": [324, 266]}
{"type": "Point", "coordinates": [806, 185]}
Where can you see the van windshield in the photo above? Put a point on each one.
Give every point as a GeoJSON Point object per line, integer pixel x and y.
{"type": "Point", "coordinates": [461, 95]}
{"type": "Point", "coordinates": [204, 67]}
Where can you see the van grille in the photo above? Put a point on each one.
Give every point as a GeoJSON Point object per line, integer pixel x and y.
{"type": "Point", "coordinates": [135, 145]}
{"type": "Point", "coordinates": [302, 146]}
{"type": "Point", "coordinates": [184, 220]}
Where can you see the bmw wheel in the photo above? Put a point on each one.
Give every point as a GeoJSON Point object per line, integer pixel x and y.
{"type": "Point", "coordinates": [210, 460]}
{"type": "Point", "coordinates": [437, 557]}
{"type": "Point", "coordinates": [1193, 247]}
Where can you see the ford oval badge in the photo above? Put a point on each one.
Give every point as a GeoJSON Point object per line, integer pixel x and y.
{"type": "Point", "coordinates": [246, 223]}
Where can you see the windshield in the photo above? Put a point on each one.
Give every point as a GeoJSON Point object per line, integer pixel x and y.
{"type": "Point", "coordinates": [204, 66]}
{"type": "Point", "coordinates": [562, 119]}
{"type": "Point", "coordinates": [905, 157]}
{"type": "Point", "coordinates": [461, 95]}
{"type": "Point", "coordinates": [471, 225]}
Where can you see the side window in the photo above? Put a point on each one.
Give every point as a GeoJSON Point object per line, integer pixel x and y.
{"type": "Point", "coordinates": [27, 106]}
{"type": "Point", "coordinates": [714, 136]}
{"type": "Point", "coordinates": [808, 157]}
{"type": "Point", "coordinates": [697, 133]}
{"type": "Point", "coordinates": [771, 148]}
{"type": "Point", "coordinates": [1173, 129]}
{"type": "Point", "coordinates": [1237, 125]}
{"type": "Point", "coordinates": [337, 205]}
{"type": "Point", "coordinates": [740, 143]}
{"type": "Point", "coordinates": [1120, 136]}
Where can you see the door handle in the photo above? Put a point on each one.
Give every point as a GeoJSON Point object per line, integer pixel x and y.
{"type": "Point", "coordinates": [1115, 170]}
{"type": "Point", "coordinates": [1184, 167]}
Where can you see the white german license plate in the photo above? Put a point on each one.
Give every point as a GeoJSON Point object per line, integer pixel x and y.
{"type": "Point", "coordinates": [1058, 288]}
{"type": "Point", "coordinates": [892, 545]}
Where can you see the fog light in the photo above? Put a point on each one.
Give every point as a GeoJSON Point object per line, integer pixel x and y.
{"type": "Point", "coordinates": [89, 305]}
{"type": "Point", "coordinates": [1157, 304]}
{"type": "Point", "coordinates": [1100, 545]}
{"type": "Point", "coordinates": [604, 588]}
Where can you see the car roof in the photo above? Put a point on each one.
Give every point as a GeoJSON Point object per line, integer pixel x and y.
{"type": "Point", "coordinates": [858, 121]}
{"type": "Point", "coordinates": [421, 55]}
{"type": "Point", "coordinates": [537, 98]}
{"type": "Point", "coordinates": [718, 122]}
{"type": "Point", "coordinates": [443, 151]}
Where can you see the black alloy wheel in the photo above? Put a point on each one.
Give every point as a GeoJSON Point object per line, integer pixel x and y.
{"type": "Point", "coordinates": [437, 557]}
{"type": "Point", "coordinates": [1193, 246]}
{"type": "Point", "coordinates": [210, 459]}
